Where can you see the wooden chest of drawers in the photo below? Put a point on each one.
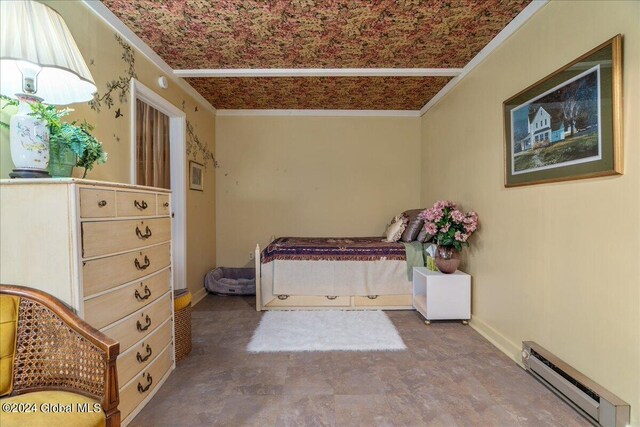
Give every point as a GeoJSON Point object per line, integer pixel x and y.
{"type": "Point", "coordinates": [105, 250]}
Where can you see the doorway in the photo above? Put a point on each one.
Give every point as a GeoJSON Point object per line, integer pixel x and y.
{"type": "Point", "coordinates": [159, 160]}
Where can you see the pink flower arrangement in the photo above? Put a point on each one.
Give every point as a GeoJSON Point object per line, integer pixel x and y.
{"type": "Point", "coordinates": [449, 225]}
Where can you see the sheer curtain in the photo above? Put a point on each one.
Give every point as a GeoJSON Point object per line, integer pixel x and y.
{"type": "Point", "coordinates": [152, 147]}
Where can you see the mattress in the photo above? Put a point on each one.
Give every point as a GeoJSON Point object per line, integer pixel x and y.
{"type": "Point", "coordinates": [359, 266]}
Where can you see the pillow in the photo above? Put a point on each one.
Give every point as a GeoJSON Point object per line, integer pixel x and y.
{"type": "Point", "coordinates": [423, 236]}
{"type": "Point", "coordinates": [395, 229]}
{"type": "Point", "coordinates": [413, 225]}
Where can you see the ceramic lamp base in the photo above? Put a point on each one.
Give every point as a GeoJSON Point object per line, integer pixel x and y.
{"type": "Point", "coordinates": [29, 173]}
{"type": "Point", "coordinates": [29, 141]}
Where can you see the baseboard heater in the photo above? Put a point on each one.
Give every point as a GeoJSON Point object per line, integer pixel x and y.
{"type": "Point", "coordinates": [598, 405]}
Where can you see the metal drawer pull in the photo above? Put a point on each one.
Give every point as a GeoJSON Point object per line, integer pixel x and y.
{"type": "Point", "coordinates": [331, 297]}
{"type": "Point", "coordinates": [142, 206]}
{"type": "Point", "coordinates": [147, 294]}
{"type": "Point", "coordinates": [372, 296]}
{"type": "Point", "coordinates": [144, 266]}
{"type": "Point", "coordinates": [147, 234]}
{"type": "Point", "coordinates": [283, 297]}
{"type": "Point", "coordinates": [142, 389]}
{"type": "Point", "coordinates": [141, 328]}
{"type": "Point", "coordinates": [102, 203]}
{"type": "Point", "coordinates": [146, 357]}
{"type": "Point", "coordinates": [165, 204]}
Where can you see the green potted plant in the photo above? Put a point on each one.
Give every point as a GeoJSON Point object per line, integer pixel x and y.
{"type": "Point", "coordinates": [70, 144]}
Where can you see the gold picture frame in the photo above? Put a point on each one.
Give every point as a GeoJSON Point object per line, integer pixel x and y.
{"type": "Point", "coordinates": [569, 124]}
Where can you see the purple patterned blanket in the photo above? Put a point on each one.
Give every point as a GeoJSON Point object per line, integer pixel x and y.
{"type": "Point", "coordinates": [332, 249]}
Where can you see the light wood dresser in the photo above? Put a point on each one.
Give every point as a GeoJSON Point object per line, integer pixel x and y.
{"type": "Point", "coordinates": [105, 250]}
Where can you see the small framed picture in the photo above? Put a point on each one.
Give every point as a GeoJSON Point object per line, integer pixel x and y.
{"type": "Point", "coordinates": [196, 176]}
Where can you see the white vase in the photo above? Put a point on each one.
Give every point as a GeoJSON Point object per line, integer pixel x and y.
{"type": "Point", "coordinates": [29, 140]}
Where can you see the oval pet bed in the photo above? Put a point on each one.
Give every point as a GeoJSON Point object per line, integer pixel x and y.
{"type": "Point", "coordinates": [231, 281]}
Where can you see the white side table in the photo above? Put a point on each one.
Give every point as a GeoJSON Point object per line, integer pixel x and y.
{"type": "Point", "coordinates": [439, 296]}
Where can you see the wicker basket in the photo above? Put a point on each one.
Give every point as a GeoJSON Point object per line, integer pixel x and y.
{"type": "Point", "coordinates": [182, 323]}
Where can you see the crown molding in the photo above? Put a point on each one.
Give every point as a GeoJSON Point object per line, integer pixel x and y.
{"type": "Point", "coordinates": [503, 35]}
{"type": "Point", "coordinates": [102, 12]}
{"type": "Point", "coordinates": [320, 72]}
{"type": "Point", "coordinates": [321, 113]}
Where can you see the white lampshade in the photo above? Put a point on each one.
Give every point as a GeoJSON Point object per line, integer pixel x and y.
{"type": "Point", "coordinates": [34, 37]}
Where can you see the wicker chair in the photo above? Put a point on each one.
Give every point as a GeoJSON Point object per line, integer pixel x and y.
{"type": "Point", "coordinates": [52, 361]}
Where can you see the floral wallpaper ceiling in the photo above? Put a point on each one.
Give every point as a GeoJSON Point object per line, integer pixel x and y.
{"type": "Point", "coordinates": [333, 93]}
{"type": "Point", "coordinates": [203, 34]}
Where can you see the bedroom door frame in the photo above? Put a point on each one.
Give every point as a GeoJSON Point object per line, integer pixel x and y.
{"type": "Point", "coordinates": [178, 167]}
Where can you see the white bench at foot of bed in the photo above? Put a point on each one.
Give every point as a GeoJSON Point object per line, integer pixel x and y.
{"type": "Point", "coordinates": [266, 300]}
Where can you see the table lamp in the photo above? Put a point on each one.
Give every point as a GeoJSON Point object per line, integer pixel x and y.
{"type": "Point", "coordinates": [39, 62]}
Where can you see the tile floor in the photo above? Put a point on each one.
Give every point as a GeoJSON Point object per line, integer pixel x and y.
{"type": "Point", "coordinates": [449, 376]}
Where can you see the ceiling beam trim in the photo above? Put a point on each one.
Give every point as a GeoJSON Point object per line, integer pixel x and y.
{"type": "Point", "coordinates": [321, 72]}
{"type": "Point", "coordinates": [503, 35]}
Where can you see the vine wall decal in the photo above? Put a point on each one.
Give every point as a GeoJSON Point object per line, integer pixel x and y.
{"type": "Point", "coordinates": [119, 85]}
{"type": "Point", "coordinates": [197, 147]}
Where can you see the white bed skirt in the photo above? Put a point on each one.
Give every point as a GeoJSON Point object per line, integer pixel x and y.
{"type": "Point", "coordinates": [344, 278]}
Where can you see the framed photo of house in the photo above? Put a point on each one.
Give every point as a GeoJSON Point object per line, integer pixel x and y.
{"type": "Point", "coordinates": [569, 124]}
{"type": "Point", "coordinates": [196, 176]}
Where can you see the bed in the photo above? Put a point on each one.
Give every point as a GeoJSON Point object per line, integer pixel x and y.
{"type": "Point", "coordinates": [357, 273]}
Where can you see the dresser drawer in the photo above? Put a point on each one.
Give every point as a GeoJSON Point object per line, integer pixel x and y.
{"type": "Point", "coordinates": [141, 355]}
{"type": "Point", "coordinates": [386, 300]}
{"type": "Point", "coordinates": [136, 204]}
{"type": "Point", "coordinates": [140, 324]}
{"type": "Point", "coordinates": [105, 273]}
{"type": "Point", "coordinates": [96, 203]}
{"type": "Point", "coordinates": [112, 306]}
{"type": "Point", "coordinates": [143, 384]}
{"type": "Point", "coordinates": [164, 204]}
{"type": "Point", "coordinates": [311, 301]}
{"type": "Point", "coordinates": [105, 237]}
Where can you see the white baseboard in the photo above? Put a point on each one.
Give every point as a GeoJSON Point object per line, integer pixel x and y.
{"type": "Point", "coordinates": [198, 296]}
{"type": "Point", "coordinates": [503, 344]}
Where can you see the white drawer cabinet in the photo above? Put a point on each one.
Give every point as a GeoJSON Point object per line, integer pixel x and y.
{"type": "Point", "coordinates": [105, 250]}
{"type": "Point", "coordinates": [439, 296]}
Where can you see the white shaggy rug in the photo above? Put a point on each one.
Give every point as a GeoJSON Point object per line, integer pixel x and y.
{"type": "Point", "coordinates": [325, 331]}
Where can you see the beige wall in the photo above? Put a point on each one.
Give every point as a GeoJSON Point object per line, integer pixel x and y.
{"type": "Point", "coordinates": [97, 43]}
{"type": "Point", "coordinates": [554, 263]}
{"type": "Point", "coordinates": [311, 176]}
